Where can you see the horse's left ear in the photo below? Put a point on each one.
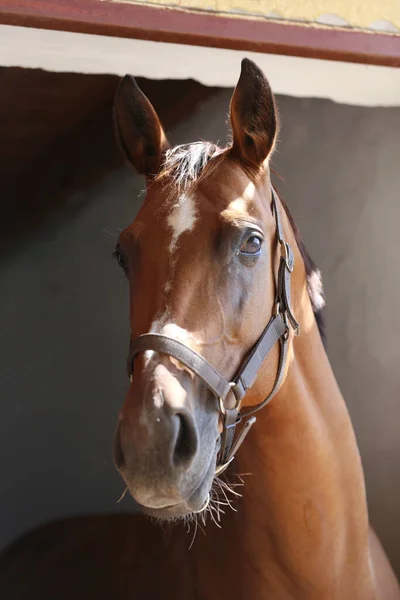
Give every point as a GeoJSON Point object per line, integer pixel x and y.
{"type": "Point", "coordinates": [253, 116]}
{"type": "Point", "coordinates": [139, 130]}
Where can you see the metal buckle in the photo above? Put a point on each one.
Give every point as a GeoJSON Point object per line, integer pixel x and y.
{"type": "Point", "coordinates": [286, 250]}
{"type": "Point", "coordinates": [221, 402]}
{"type": "Point", "coordinates": [286, 321]}
{"type": "Point", "coordinates": [232, 384]}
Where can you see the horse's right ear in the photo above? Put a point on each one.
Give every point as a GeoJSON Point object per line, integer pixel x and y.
{"type": "Point", "coordinates": [139, 130]}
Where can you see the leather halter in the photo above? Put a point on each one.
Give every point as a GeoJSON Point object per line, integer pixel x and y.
{"type": "Point", "coordinates": [277, 330]}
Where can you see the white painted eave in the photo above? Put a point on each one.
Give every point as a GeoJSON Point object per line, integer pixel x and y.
{"type": "Point", "coordinates": [350, 83]}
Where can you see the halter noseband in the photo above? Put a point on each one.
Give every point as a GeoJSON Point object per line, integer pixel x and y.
{"type": "Point", "coordinates": [277, 330]}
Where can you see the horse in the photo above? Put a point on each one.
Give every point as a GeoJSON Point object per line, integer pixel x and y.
{"type": "Point", "coordinates": [234, 438]}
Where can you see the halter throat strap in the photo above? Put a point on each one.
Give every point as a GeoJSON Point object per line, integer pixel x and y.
{"type": "Point", "coordinates": [277, 330]}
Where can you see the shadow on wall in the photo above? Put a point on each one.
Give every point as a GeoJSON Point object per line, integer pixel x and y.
{"type": "Point", "coordinates": [64, 302]}
{"type": "Point", "coordinates": [64, 314]}
{"type": "Point", "coordinates": [64, 337]}
{"type": "Point", "coordinates": [341, 181]}
{"type": "Point", "coordinates": [58, 136]}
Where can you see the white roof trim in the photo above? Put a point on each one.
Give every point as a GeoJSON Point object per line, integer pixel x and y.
{"type": "Point", "coordinates": [364, 85]}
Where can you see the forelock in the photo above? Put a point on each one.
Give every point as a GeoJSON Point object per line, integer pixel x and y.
{"type": "Point", "coordinates": [186, 165]}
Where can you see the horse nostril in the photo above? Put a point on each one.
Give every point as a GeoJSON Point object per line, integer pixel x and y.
{"type": "Point", "coordinates": [186, 442]}
{"type": "Point", "coordinates": [117, 450]}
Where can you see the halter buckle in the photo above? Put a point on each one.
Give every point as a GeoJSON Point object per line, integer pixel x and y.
{"type": "Point", "coordinates": [286, 253]}
{"type": "Point", "coordinates": [285, 336]}
{"type": "Point", "coordinates": [222, 408]}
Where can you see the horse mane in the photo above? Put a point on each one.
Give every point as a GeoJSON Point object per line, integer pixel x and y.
{"type": "Point", "coordinates": [186, 165]}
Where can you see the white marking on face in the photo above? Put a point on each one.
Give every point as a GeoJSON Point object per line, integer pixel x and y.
{"type": "Point", "coordinates": [249, 191]}
{"type": "Point", "coordinates": [181, 335]}
{"type": "Point", "coordinates": [182, 218]}
{"type": "Point", "coordinates": [176, 395]}
{"type": "Point", "coordinates": [158, 399]}
{"type": "Point", "coordinates": [155, 328]}
{"type": "Point", "coordinates": [178, 333]}
{"type": "Point", "coordinates": [173, 331]}
{"type": "Point", "coordinates": [239, 205]}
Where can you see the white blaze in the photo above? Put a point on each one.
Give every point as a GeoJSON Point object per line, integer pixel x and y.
{"type": "Point", "coordinates": [173, 331]}
{"type": "Point", "coordinates": [182, 218]}
{"type": "Point", "coordinates": [155, 328]}
{"type": "Point", "coordinates": [178, 333]}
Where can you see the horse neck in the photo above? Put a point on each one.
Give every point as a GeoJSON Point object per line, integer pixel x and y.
{"type": "Point", "coordinates": [303, 517]}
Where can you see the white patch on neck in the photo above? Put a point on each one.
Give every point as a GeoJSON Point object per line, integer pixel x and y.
{"type": "Point", "coordinates": [315, 290]}
{"type": "Point", "coordinates": [182, 218]}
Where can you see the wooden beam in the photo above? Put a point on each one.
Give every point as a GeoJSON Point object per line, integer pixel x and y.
{"type": "Point", "coordinates": [203, 29]}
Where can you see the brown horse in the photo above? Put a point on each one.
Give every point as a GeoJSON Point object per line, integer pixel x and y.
{"type": "Point", "coordinates": [220, 283]}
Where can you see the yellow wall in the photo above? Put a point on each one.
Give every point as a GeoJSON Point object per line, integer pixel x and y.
{"type": "Point", "coordinates": [383, 15]}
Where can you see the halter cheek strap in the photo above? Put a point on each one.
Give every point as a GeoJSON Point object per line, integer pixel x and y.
{"type": "Point", "coordinates": [277, 330]}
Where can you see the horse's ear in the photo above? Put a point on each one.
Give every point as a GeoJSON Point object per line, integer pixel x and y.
{"type": "Point", "coordinates": [139, 130]}
{"type": "Point", "coordinates": [253, 116]}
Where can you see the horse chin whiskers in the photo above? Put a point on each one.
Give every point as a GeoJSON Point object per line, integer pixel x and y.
{"type": "Point", "coordinates": [205, 505]}
{"type": "Point", "coordinates": [214, 507]}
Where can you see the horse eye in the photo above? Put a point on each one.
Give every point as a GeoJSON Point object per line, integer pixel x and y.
{"type": "Point", "coordinates": [121, 260]}
{"type": "Point", "coordinates": [252, 246]}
